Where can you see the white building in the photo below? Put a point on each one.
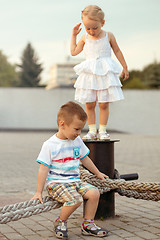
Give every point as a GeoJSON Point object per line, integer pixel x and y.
{"type": "Point", "coordinates": [62, 74]}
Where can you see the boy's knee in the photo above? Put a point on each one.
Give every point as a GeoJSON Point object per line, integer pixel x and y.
{"type": "Point", "coordinates": [96, 193]}
{"type": "Point", "coordinates": [73, 203]}
{"type": "Point", "coordinates": [93, 194]}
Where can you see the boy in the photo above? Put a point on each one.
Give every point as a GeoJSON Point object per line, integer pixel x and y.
{"type": "Point", "coordinates": [59, 169]}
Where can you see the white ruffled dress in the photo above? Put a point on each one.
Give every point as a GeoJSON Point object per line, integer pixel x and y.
{"type": "Point", "coordinates": [98, 72]}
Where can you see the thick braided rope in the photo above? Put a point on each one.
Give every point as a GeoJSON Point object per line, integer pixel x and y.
{"type": "Point", "coordinates": [137, 195]}
{"type": "Point", "coordinates": [111, 184]}
{"type": "Point", "coordinates": [26, 209]}
{"type": "Point", "coordinates": [147, 191]}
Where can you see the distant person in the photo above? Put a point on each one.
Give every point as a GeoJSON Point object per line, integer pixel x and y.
{"type": "Point", "coordinates": [98, 79]}
{"type": "Point", "coordinates": [59, 168]}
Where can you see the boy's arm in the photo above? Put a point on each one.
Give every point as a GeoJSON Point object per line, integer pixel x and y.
{"type": "Point", "coordinates": [119, 55]}
{"type": "Point", "coordinates": [76, 48]}
{"type": "Point", "coordinates": [41, 179]}
{"type": "Point", "coordinates": [87, 162]}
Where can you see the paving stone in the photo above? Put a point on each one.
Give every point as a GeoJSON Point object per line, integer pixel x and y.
{"type": "Point", "coordinates": [132, 229]}
{"type": "Point", "coordinates": [155, 224]}
{"type": "Point", "coordinates": [46, 224]}
{"type": "Point", "coordinates": [6, 229]}
{"type": "Point", "coordinates": [112, 236]}
{"type": "Point", "coordinates": [145, 221]}
{"type": "Point", "coordinates": [45, 233]}
{"type": "Point", "coordinates": [2, 237]}
{"type": "Point", "coordinates": [14, 236]}
{"type": "Point", "coordinates": [153, 230]}
{"type": "Point", "coordinates": [24, 231]}
{"type": "Point", "coordinates": [138, 224]}
{"type": "Point", "coordinates": [16, 224]}
{"type": "Point", "coordinates": [123, 233]}
{"type": "Point", "coordinates": [135, 219]}
{"type": "Point", "coordinates": [50, 238]}
{"type": "Point", "coordinates": [35, 237]}
{"type": "Point", "coordinates": [134, 238]}
{"type": "Point", "coordinates": [112, 228]}
{"type": "Point", "coordinates": [36, 227]}
{"type": "Point", "coordinates": [27, 220]}
{"type": "Point", "coordinates": [147, 235]}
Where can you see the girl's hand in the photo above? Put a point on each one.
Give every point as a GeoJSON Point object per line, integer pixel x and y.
{"type": "Point", "coordinates": [102, 176]}
{"type": "Point", "coordinates": [76, 30]}
{"type": "Point", "coordinates": [39, 196]}
{"type": "Point", "coordinates": [125, 74]}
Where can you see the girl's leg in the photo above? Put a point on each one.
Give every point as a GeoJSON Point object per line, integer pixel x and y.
{"type": "Point", "coordinates": [104, 115]}
{"type": "Point", "coordinates": [90, 110]}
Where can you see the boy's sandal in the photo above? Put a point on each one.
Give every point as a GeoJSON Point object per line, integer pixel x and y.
{"type": "Point", "coordinates": [90, 136]}
{"type": "Point", "coordinates": [94, 230]}
{"type": "Point", "coordinates": [104, 136]}
{"type": "Point", "coordinates": [61, 230]}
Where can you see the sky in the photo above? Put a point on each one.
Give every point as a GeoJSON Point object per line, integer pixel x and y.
{"type": "Point", "coordinates": [47, 25]}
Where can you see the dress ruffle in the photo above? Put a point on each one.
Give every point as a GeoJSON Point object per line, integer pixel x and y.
{"type": "Point", "coordinates": [97, 82]}
{"type": "Point", "coordinates": [111, 94]}
{"type": "Point", "coordinates": [99, 66]}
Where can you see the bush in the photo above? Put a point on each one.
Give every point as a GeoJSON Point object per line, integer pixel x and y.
{"type": "Point", "coordinates": [134, 83]}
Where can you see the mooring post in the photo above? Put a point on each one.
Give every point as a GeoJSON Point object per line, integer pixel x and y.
{"type": "Point", "coordinates": [102, 154]}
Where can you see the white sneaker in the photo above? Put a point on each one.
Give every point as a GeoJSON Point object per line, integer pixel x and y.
{"type": "Point", "coordinates": [90, 136]}
{"type": "Point", "coordinates": [104, 136]}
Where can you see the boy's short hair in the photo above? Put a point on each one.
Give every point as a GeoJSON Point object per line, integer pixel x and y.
{"type": "Point", "coordinates": [69, 110]}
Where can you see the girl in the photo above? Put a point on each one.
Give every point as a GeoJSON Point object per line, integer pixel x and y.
{"type": "Point", "coordinates": [98, 79]}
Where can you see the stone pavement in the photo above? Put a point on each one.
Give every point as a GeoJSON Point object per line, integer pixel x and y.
{"type": "Point", "coordinates": [135, 219]}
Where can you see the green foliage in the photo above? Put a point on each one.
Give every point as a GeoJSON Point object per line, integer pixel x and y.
{"type": "Point", "coordinates": [151, 75]}
{"type": "Point", "coordinates": [135, 73]}
{"type": "Point", "coordinates": [8, 74]}
{"type": "Point", "coordinates": [134, 83]}
{"type": "Point", "coordinates": [30, 68]}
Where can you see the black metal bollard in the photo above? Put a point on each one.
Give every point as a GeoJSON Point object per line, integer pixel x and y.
{"type": "Point", "coordinates": [128, 177]}
{"type": "Point", "coordinates": [102, 154]}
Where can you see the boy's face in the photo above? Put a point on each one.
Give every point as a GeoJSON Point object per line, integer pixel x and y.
{"type": "Point", "coordinates": [72, 130]}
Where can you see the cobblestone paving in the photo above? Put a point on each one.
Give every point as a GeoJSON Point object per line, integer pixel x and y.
{"type": "Point", "coordinates": [135, 219]}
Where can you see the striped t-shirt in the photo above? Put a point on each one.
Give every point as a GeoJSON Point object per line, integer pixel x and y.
{"type": "Point", "coordinates": [62, 157]}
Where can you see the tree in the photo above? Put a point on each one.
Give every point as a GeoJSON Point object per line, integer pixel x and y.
{"type": "Point", "coordinates": [151, 75]}
{"type": "Point", "coordinates": [30, 68]}
{"type": "Point", "coordinates": [8, 74]}
{"type": "Point", "coordinates": [134, 83]}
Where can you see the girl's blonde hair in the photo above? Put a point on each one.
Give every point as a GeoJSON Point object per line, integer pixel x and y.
{"type": "Point", "coordinates": [93, 12]}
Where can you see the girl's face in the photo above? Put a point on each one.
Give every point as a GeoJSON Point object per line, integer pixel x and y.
{"type": "Point", "coordinates": [93, 27]}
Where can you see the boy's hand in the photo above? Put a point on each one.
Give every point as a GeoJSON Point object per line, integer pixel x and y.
{"type": "Point", "coordinates": [76, 30]}
{"type": "Point", "coordinates": [39, 196]}
{"type": "Point", "coordinates": [102, 176]}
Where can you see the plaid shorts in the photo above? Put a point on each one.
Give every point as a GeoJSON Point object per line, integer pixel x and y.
{"type": "Point", "coordinates": [69, 193]}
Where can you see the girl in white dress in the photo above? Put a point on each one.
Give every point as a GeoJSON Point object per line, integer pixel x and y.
{"type": "Point", "coordinates": [98, 76]}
